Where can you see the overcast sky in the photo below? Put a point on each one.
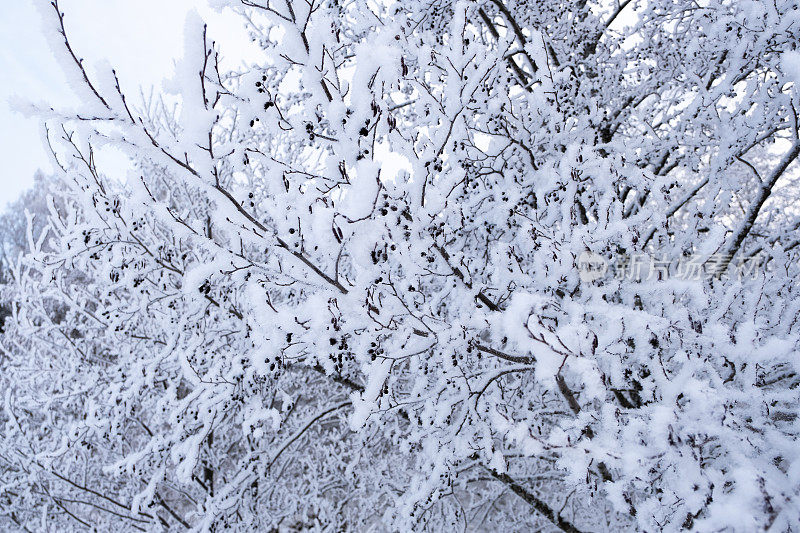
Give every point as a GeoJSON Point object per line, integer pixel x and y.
{"type": "Point", "coordinates": [140, 38]}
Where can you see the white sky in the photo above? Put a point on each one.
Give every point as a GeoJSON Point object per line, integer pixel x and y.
{"type": "Point", "coordinates": [140, 38]}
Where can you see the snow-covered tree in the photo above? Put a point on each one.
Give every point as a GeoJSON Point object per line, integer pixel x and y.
{"type": "Point", "coordinates": [340, 288]}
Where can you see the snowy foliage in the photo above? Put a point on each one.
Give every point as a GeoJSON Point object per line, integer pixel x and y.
{"type": "Point", "coordinates": [338, 289]}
